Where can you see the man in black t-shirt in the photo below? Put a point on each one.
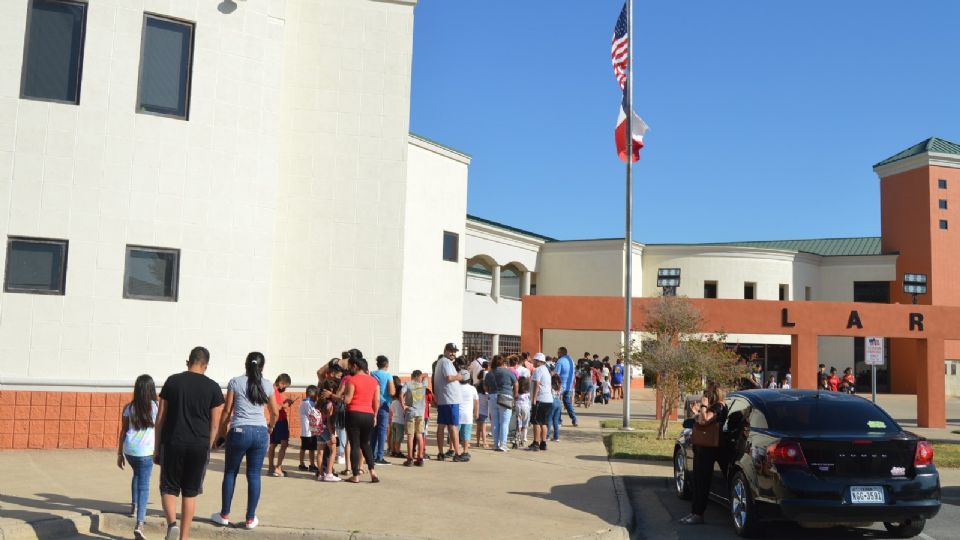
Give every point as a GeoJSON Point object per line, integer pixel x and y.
{"type": "Point", "coordinates": [186, 428]}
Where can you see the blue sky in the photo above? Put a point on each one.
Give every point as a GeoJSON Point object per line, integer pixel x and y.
{"type": "Point", "coordinates": [766, 117]}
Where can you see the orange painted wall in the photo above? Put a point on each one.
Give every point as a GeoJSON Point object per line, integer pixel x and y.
{"type": "Point", "coordinates": [48, 420]}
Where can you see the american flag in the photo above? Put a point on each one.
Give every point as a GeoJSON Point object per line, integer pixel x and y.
{"type": "Point", "coordinates": [620, 53]}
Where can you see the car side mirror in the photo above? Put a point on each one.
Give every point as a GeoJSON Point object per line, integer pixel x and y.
{"type": "Point", "coordinates": [688, 423]}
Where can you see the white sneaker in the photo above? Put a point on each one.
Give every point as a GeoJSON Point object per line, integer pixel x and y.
{"type": "Point", "coordinates": [219, 519]}
{"type": "Point", "coordinates": [332, 478]}
{"type": "Point", "coordinates": [341, 460]}
{"type": "Point", "coordinates": [252, 523]}
{"type": "Point", "coordinates": [173, 532]}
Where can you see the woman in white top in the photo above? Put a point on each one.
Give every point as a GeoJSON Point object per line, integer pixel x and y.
{"type": "Point", "coordinates": [136, 445]}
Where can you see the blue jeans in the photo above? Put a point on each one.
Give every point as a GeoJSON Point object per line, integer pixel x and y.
{"type": "Point", "coordinates": [250, 442]}
{"type": "Point", "coordinates": [555, 414]}
{"type": "Point", "coordinates": [140, 485]}
{"type": "Point", "coordinates": [378, 438]}
{"type": "Point", "coordinates": [568, 404]}
{"type": "Point", "coordinates": [500, 417]}
{"type": "Point", "coordinates": [341, 442]}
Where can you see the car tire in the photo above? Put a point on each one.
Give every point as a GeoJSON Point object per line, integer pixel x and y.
{"type": "Point", "coordinates": [906, 529]}
{"type": "Point", "coordinates": [742, 508]}
{"type": "Point", "coordinates": [681, 479]}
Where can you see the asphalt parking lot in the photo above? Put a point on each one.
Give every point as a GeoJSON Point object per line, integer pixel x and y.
{"type": "Point", "coordinates": [657, 511]}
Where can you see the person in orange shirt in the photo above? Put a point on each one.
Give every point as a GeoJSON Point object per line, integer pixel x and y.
{"type": "Point", "coordinates": [849, 382]}
{"type": "Point", "coordinates": [833, 380]}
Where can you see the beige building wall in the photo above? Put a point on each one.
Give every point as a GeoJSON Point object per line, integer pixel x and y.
{"type": "Point", "coordinates": [436, 201]}
{"type": "Point", "coordinates": [339, 238]}
{"type": "Point", "coordinates": [102, 176]}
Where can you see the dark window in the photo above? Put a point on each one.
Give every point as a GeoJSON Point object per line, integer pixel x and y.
{"type": "Point", "coordinates": [749, 291]}
{"type": "Point", "coordinates": [477, 344]}
{"type": "Point", "coordinates": [709, 289]}
{"type": "Point", "coordinates": [808, 293]}
{"type": "Point", "coordinates": [943, 224]}
{"type": "Point", "coordinates": [451, 246]}
{"type": "Point", "coordinates": [166, 59]}
{"type": "Point", "coordinates": [943, 204]}
{"type": "Point", "coordinates": [871, 291]}
{"type": "Point", "coordinates": [953, 368]}
{"type": "Point", "coordinates": [829, 414]}
{"type": "Point", "coordinates": [942, 184]}
{"type": "Point", "coordinates": [36, 265]}
{"type": "Point", "coordinates": [151, 273]}
{"type": "Point", "coordinates": [784, 292]}
{"type": "Point", "coordinates": [508, 344]}
{"type": "Point", "coordinates": [509, 282]}
{"type": "Point", "coordinates": [53, 50]}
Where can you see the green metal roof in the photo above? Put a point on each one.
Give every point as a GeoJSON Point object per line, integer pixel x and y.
{"type": "Point", "coordinates": [933, 144]}
{"type": "Point", "coordinates": [825, 247]}
{"type": "Point", "coordinates": [509, 228]}
{"type": "Point", "coordinates": [450, 148]}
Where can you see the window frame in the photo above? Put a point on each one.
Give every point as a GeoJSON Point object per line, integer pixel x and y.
{"type": "Point", "coordinates": [941, 183]}
{"type": "Point", "coordinates": [944, 225]}
{"type": "Point", "coordinates": [942, 204]}
{"type": "Point", "coordinates": [26, 52]}
{"type": "Point", "coordinates": [138, 109]}
{"type": "Point", "coordinates": [752, 285]}
{"type": "Point", "coordinates": [456, 255]}
{"type": "Point", "coordinates": [65, 245]}
{"type": "Point", "coordinates": [176, 273]}
{"type": "Point", "coordinates": [716, 289]}
{"type": "Point", "coordinates": [784, 292]}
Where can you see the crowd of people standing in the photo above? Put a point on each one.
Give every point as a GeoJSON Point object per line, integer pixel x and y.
{"type": "Point", "coordinates": [352, 413]}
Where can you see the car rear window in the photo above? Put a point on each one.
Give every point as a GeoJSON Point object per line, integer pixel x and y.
{"type": "Point", "coordinates": [829, 415]}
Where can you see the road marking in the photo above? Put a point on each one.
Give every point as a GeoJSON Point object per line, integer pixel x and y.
{"type": "Point", "coordinates": [926, 536]}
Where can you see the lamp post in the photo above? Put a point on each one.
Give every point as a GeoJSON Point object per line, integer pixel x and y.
{"type": "Point", "coordinates": [668, 279]}
{"type": "Point", "coordinates": [915, 284]}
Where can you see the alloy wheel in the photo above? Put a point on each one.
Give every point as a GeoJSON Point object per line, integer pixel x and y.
{"type": "Point", "coordinates": [738, 504]}
{"type": "Point", "coordinates": [679, 471]}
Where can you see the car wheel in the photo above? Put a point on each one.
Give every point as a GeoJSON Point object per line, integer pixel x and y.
{"type": "Point", "coordinates": [906, 529]}
{"type": "Point", "coordinates": [742, 509]}
{"type": "Point", "coordinates": [681, 480]}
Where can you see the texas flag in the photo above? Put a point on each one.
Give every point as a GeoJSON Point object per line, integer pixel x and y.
{"type": "Point", "coordinates": [639, 128]}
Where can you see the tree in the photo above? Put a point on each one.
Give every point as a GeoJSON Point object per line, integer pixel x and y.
{"type": "Point", "coordinates": [682, 356]}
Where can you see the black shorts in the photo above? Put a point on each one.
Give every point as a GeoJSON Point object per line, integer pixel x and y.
{"type": "Point", "coordinates": [281, 432]}
{"type": "Point", "coordinates": [182, 469]}
{"type": "Point", "coordinates": [308, 443]}
{"type": "Point", "coordinates": [541, 414]}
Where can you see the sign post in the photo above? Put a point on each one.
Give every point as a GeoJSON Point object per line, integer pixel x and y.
{"type": "Point", "coordinates": [873, 357]}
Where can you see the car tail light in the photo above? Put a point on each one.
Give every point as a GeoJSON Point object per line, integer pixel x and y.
{"type": "Point", "coordinates": [924, 454]}
{"type": "Point", "coordinates": [785, 453]}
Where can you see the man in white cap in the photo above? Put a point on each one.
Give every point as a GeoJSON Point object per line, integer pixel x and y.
{"type": "Point", "coordinates": [541, 392]}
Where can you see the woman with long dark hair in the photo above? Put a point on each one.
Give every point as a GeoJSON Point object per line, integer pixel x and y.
{"type": "Point", "coordinates": [711, 409]}
{"type": "Point", "coordinates": [361, 394]}
{"type": "Point", "coordinates": [248, 435]}
{"type": "Point", "coordinates": [502, 385]}
{"type": "Point", "coordinates": [136, 445]}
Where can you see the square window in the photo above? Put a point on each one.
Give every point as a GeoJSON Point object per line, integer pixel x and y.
{"type": "Point", "coordinates": [943, 204]}
{"type": "Point", "coordinates": [35, 265]}
{"type": "Point", "coordinates": [749, 291]}
{"type": "Point", "coordinates": [451, 246]}
{"type": "Point", "coordinates": [943, 224]}
{"type": "Point", "coordinates": [151, 273]}
{"type": "Point", "coordinates": [166, 62]}
{"type": "Point", "coordinates": [53, 51]}
{"type": "Point", "coordinates": [942, 184]}
{"type": "Point", "coordinates": [709, 289]}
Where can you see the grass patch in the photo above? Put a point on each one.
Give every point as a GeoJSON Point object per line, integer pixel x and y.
{"type": "Point", "coordinates": [643, 443]}
{"type": "Point", "coordinates": [946, 455]}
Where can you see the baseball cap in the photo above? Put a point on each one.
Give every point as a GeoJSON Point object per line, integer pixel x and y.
{"type": "Point", "coordinates": [539, 357]}
{"type": "Point", "coordinates": [451, 347]}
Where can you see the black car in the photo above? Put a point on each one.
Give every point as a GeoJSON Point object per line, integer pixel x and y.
{"type": "Point", "coordinates": [817, 458]}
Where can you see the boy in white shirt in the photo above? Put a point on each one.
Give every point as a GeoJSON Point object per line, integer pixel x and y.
{"type": "Point", "coordinates": [469, 410]}
{"type": "Point", "coordinates": [308, 439]}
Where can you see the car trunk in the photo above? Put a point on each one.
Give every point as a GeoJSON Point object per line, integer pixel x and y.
{"type": "Point", "coordinates": [883, 457]}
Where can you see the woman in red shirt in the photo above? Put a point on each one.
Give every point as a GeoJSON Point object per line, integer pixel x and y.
{"type": "Point", "coordinates": [362, 397]}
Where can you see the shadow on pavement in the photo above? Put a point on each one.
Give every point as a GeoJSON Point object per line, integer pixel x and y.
{"type": "Point", "coordinates": [581, 497]}
{"type": "Point", "coordinates": [950, 495]}
{"type": "Point", "coordinates": [50, 525]}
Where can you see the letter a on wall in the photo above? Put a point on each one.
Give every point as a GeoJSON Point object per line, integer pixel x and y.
{"type": "Point", "coordinates": [854, 320]}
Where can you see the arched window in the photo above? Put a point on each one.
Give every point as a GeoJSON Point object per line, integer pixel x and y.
{"type": "Point", "coordinates": [510, 281]}
{"type": "Point", "coordinates": [479, 275]}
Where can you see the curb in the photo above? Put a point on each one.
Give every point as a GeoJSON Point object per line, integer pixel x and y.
{"type": "Point", "coordinates": [49, 528]}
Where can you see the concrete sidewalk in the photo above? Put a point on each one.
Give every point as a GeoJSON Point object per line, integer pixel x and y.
{"type": "Point", "coordinates": [567, 492]}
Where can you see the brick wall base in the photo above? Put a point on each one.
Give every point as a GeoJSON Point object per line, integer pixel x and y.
{"type": "Point", "coordinates": [50, 420]}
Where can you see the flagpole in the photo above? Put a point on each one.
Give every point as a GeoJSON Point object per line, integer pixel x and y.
{"type": "Point", "coordinates": [628, 235]}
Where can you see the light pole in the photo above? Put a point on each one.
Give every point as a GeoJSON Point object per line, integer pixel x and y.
{"type": "Point", "coordinates": [915, 284]}
{"type": "Point", "coordinates": [668, 279]}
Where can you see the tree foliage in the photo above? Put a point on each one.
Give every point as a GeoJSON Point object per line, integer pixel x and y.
{"type": "Point", "coordinates": [682, 356]}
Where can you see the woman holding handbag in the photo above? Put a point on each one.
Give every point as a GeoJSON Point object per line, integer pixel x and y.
{"type": "Point", "coordinates": [708, 416]}
{"type": "Point", "coordinates": [502, 384]}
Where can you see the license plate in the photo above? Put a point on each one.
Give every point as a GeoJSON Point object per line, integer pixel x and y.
{"type": "Point", "coordinates": [866, 495]}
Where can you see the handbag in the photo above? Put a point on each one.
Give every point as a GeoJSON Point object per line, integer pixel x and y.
{"type": "Point", "coordinates": [505, 401]}
{"type": "Point", "coordinates": [706, 435]}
